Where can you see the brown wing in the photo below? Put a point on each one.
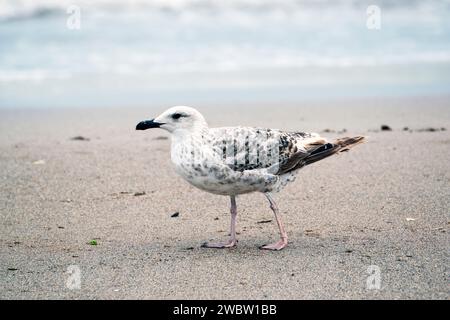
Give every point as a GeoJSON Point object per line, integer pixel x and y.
{"type": "Point", "coordinates": [244, 148]}
{"type": "Point", "coordinates": [318, 150]}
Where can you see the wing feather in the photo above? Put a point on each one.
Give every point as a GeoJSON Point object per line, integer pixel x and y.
{"type": "Point", "coordinates": [247, 148]}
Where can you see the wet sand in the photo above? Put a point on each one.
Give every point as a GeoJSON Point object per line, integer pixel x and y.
{"type": "Point", "coordinates": [385, 203]}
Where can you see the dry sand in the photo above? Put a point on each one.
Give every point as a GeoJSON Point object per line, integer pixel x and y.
{"type": "Point", "coordinates": [385, 203]}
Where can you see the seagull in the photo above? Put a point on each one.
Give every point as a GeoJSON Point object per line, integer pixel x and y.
{"type": "Point", "coordinates": [236, 160]}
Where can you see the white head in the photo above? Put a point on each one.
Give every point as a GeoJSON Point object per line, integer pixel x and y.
{"type": "Point", "coordinates": [176, 118]}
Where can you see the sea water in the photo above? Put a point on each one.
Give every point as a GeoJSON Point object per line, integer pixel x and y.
{"type": "Point", "coordinates": [121, 53]}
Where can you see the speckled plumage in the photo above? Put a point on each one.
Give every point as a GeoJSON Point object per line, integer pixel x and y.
{"type": "Point", "coordinates": [237, 160]}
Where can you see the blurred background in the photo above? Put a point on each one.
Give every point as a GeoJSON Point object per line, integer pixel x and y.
{"type": "Point", "coordinates": [139, 53]}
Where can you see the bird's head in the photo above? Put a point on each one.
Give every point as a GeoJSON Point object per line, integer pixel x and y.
{"type": "Point", "coordinates": [175, 118]}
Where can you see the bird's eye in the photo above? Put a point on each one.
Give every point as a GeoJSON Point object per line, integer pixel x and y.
{"type": "Point", "coordinates": [176, 116]}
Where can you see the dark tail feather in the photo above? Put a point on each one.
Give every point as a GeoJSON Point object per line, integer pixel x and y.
{"type": "Point", "coordinates": [328, 149]}
{"type": "Point", "coordinates": [347, 143]}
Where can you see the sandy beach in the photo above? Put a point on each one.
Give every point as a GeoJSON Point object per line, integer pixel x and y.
{"type": "Point", "coordinates": [385, 204]}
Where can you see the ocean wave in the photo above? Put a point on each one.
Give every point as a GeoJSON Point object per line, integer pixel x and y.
{"type": "Point", "coordinates": [27, 9]}
{"type": "Point", "coordinates": [181, 36]}
{"type": "Point", "coordinates": [247, 63]}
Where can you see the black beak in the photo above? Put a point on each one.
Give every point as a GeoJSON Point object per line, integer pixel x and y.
{"type": "Point", "coordinates": [147, 124]}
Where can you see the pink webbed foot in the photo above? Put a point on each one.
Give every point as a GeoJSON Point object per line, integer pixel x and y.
{"type": "Point", "coordinates": [275, 246]}
{"type": "Point", "coordinates": [220, 245]}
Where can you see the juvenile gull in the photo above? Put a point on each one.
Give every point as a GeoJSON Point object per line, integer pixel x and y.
{"type": "Point", "coordinates": [237, 160]}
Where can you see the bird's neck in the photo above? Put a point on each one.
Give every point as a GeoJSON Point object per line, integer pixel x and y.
{"type": "Point", "coordinates": [197, 134]}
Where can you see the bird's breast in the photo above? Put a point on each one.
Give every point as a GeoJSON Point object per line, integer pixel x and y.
{"type": "Point", "coordinates": [190, 161]}
{"type": "Point", "coordinates": [204, 169]}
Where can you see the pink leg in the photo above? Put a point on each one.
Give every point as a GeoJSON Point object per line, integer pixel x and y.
{"type": "Point", "coordinates": [233, 241]}
{"type": "Point", "coordinates": [284, 239]}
